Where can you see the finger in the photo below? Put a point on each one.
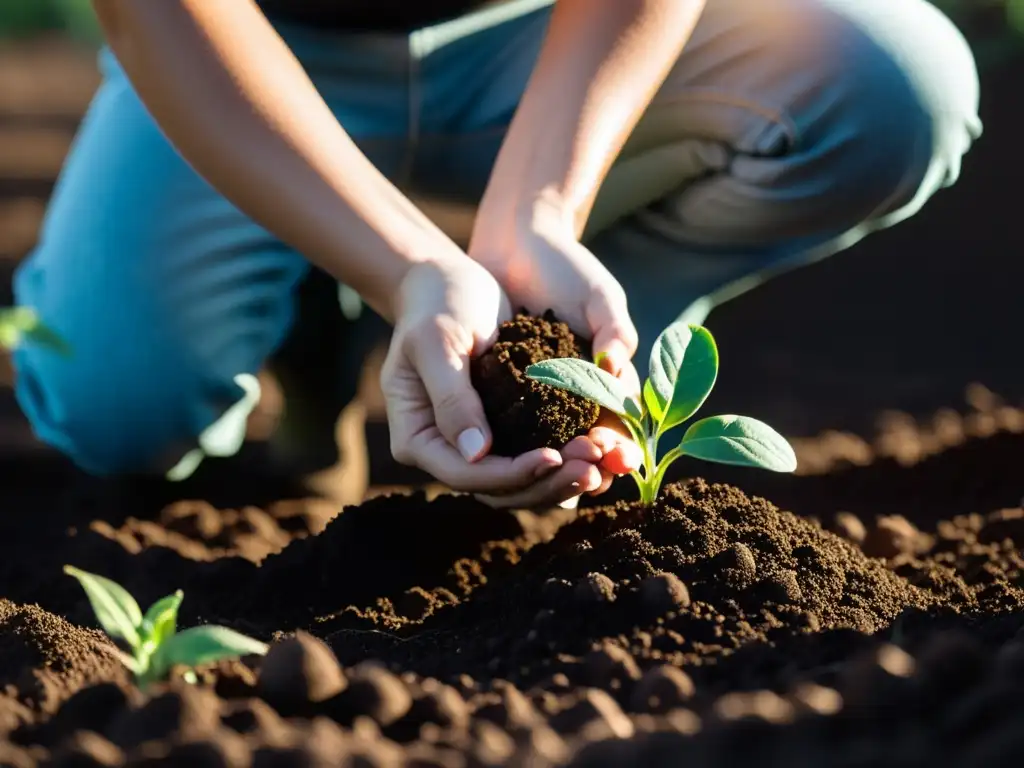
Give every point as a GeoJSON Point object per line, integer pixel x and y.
{"type": "Point", "coordinates": [619, 454]}
{"type": "Point", "coordinates": [569, 481]}
{"type": "Point", "coordinates": [607, 478]}
{"type": "Point", "coordinates": [615, 335]}
{"type": "Point", "coordinates": [440, 355]}
{"type": "Point", "coordinates": [622, 460]}
{"type": "Point", "coordinates": [491, 474]}
{"type": "Point", "coordinates": [631, 379]}
{"type": "Point", "coordinates": [609, 420]}
{"type": "Point", "coordinates": [582, 449]}
{"type": "Point", "coordinates": [606, 439]}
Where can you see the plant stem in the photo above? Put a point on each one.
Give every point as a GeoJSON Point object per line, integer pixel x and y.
{"type": "Point", "coordinates": [663, 465]}
{"type": "Point", "coordinates": [649, 488]}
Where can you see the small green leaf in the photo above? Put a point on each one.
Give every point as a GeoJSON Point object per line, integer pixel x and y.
{"type": "Point", "coordinates": [585, 379]}
{"type": "Point", "coordinates": [20, 325]}
{"type": "Point", "coordinates": [684, 367]}
{"type": "Point", "coordinates": [161, 618]}
{"type": "Point", "coordinates": [186, 466]}
{"type": "Point", "coordinates": [739, 440]}
{"type": "Point", "coordinates": [115, 609]}
{"type": "Point", "coordinates": [202, 645]}
{"type": "Point", "coordinates": [654, 405]}
{"type": "Point", "coordinates": [129, 662]}
{"type": "Point", "coordinates": [225, 436]}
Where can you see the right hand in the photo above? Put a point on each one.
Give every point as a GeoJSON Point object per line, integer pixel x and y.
{"type": "Point", "coordinates": [447, 312]}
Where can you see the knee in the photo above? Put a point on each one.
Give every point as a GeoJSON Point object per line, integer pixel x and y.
{"type": "Point", "coordinates": [908, 102]}
{"type": "Point", "coordinates": [106, 421]}
{"type": "Point", "coordinates": [116, 416]}
{"type": "Point", "coordinates": [127, 399]}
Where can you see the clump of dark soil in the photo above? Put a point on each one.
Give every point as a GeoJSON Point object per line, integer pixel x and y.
{"type": "Point", "coordinates": [524, 414]}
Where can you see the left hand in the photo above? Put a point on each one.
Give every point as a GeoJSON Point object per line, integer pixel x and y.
{"type": "Point", "coordinates": [541, 265]}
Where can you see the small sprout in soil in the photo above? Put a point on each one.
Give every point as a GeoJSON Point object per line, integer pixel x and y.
{"type": "Point", "coordinates": [155, 643]}
{"type": "Point", "coordinates": [21, 325]}
{"type": "Point", "coordinates": [684, 367]}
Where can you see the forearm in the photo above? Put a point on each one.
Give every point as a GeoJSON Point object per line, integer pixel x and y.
{"type": "Point", "coordinates": [229, 94]}
{"type": "Point", "coordinates": [601, 64]}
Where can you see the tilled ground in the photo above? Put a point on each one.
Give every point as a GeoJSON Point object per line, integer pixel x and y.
{"type": "Point", "coordinates": [430, 630]}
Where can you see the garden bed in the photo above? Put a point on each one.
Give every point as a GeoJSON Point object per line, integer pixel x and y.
{"type": "Point", "coordinates": [869, 613]}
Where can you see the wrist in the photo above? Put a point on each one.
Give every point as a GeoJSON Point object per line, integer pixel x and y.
{"type": "Point", "coordinates": [374, 251]}
{"type": "Point", "coordinates": [553, 211]}
{"type": "Point", "coordinates": [504, 218]}
{"type": "Point", "coordinates": [437, 255]}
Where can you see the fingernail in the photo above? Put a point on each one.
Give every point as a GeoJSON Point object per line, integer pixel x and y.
{"type": "Point", "coordinates": [471, 443]}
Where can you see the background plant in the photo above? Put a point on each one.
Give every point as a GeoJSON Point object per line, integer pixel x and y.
{"type": "Point", "coordinates": [684, 368]}
{"type": "Point", "coordinates": [21, 325]}
{"type": "Point", "coordinates": [156, 645]}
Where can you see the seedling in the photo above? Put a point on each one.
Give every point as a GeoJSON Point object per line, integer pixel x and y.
{"type": "Point", "coordinates": [684, 367]}
{"type": "Point", "coordinates": [20, 325]}
{"type": "Point", "coordinates": [155, 643]}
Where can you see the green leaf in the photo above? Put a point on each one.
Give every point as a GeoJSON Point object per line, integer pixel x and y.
{"type": "Point", "coordinates": [161, 618]}
{"type": "Point", "coordinates": [225, 436]}
{"type": "Point", "coordinates": [130, 662]}
{"type": "Point", "coordinates": [654, 405]}
{"type": "Point", "coordinates": [20, 325]}
{"type": "Point", "coordinates": [739, 440]}
{"type": "Point", "coordinates": [202, 645]}
{"type": "Point", "coordinates": [684, 366]}
{"type": "Point", "coordinates": [186, 466]}
{"type": "Point", "coordinates": [585, 379]}
{"type": "Point", "coordinates": [115, 609]}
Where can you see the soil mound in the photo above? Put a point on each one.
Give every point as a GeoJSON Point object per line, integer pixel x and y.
{"type": "Point", "coordinates": [705, 573]}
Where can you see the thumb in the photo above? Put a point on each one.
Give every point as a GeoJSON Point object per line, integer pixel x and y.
{"type": "Point", "coordinates": [458, 411]}
{"type": "Point", "coordinates": [615, 336]}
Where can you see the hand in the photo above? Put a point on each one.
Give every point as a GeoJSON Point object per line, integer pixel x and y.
{"type": "Point", "coordinates": [542, 265]}
{"type": "Point", "coordinates": [447, 312]}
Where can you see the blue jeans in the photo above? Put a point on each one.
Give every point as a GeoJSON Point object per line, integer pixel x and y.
{"type": "Point", "coordinates": [786, 132]}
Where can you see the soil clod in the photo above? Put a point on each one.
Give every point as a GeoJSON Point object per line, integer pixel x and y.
{"type": "Point", "coordinates": [524, 414]}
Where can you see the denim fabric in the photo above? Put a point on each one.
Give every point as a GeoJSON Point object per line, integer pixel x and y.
{"type": "Point", "coordinates": [786, 132]}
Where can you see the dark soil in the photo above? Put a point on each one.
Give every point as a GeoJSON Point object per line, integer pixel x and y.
{"type": "Point", "coordinates": [523, 414]}
{"type": "Point", "coordinates": [414, 630]}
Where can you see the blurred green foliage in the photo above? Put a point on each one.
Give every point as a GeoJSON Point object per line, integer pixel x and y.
{"type": "Point", "coordinates": [28, 18]}
{"type": "Point", "coordinates": [1012, 11]}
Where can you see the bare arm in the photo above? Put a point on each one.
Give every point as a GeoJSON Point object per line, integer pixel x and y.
{"type": "Point", "coordinates": [600, 66]}
{"type": "Point", "coordinates": [230, 95]}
